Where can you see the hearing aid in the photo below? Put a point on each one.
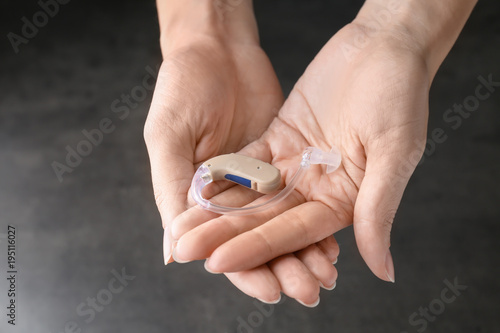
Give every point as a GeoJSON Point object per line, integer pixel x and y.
{"type": "Point", "coordinates": [245, 171]}
{"type": "Point", "coordinates": [256, 175]}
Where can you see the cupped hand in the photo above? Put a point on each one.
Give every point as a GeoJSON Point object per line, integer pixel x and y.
{"type": "Point", "coordinates": [373, 106]}
{"type": "Point", "coordinates": [214, 97]}
{"type": "Point", "coordinates": [210, 98]}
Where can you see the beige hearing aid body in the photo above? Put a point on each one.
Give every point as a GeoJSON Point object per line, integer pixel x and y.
{"type": "Point", "coordinates": [246, 171]}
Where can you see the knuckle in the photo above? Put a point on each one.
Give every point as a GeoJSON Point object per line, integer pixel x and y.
{"type": "Point", "coordinates": [329, 247]}
{"type": "Point", "coordinates": [299, 284]}
{"type": "Point", "coordinates": [381, 223]}
{"type": "Point", "coordinates": [388, 218]}
{"type": "Point", "coordinates": [386, 224]}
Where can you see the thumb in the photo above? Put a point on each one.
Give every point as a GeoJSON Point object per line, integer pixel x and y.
{"type": "Point", "coordinates": [171, 172]}
{"type": "Point", "coordinates": [376, 205]}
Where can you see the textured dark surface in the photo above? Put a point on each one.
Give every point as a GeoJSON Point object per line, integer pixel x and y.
{"type": "Point", "coordinates": [102, 216]}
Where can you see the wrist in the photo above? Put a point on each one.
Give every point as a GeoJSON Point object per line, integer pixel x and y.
{"type": "Point", "coordinates": [425, 27]}
{"type": "Point", "coordinates": [184, 22]}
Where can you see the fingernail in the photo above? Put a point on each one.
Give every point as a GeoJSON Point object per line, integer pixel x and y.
{"type": "Point", "coordinates": [336, 260]}
{"type": "Point", "coordinates": [167, 246]}
{"type": "Point", "coordinates": [271, 302]}
{"type": "Point", "coordinates": [177, 260]}
{"type": "Point", "coordinates": [389, 267]}
{"type": "Point", "coordinates": [208, 269]}
{"type": "Point", "coordinates": [313, 305]}
{"type": "Point", "coordinates": [328, 288]}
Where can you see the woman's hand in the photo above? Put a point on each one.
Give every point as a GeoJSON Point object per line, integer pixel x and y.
{"type": "Point", "coordinates": [215, 93]}
{"type": "Point", "coordinates": [210, 98]}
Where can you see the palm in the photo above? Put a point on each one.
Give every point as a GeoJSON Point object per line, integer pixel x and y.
{"type": "Point", "coordinates": [337, 103]}
{"type": "Point", "coordinates": [209, 99]}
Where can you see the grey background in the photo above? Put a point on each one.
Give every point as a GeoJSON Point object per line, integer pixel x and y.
{"type": "Point", "coordinates": [72, 234]}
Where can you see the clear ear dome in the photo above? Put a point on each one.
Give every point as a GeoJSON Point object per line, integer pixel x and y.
{"type": "Point", "coordinates": [331, 159]}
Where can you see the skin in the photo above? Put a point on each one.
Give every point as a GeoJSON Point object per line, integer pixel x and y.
{"type": "Point", "coordinates": [217, 93]}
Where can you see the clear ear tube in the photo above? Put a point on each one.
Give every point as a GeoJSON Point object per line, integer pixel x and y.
{"type": "Point", "coordinates": [205, 176]}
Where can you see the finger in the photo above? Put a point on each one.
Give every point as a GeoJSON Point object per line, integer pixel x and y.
{"type": "Point", "coordinates": [258, 282]}
{"type": "Point", "coordinates": [170, 149]}
{"type": "Point", "coordinates": [378, 199]}
{"type": "Point", "coordinates": [235, 196]}
{"type": "Point", "coordinates": [200, 242]}
{"type": "Point", "coordinates": [330, 248]}
{"type": "Point", "coordinates": [296, 280]}
{"type": "Point", "coordinates": [171, 173]}
{"type": "Point", "coordinates": [293, 230]}
{"type": "Point", "coordinates": [319, 265]}
{"type": "Point", "coordinates": [170, 185]}
{"type": "Point", "coordinates": [170, 188]}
